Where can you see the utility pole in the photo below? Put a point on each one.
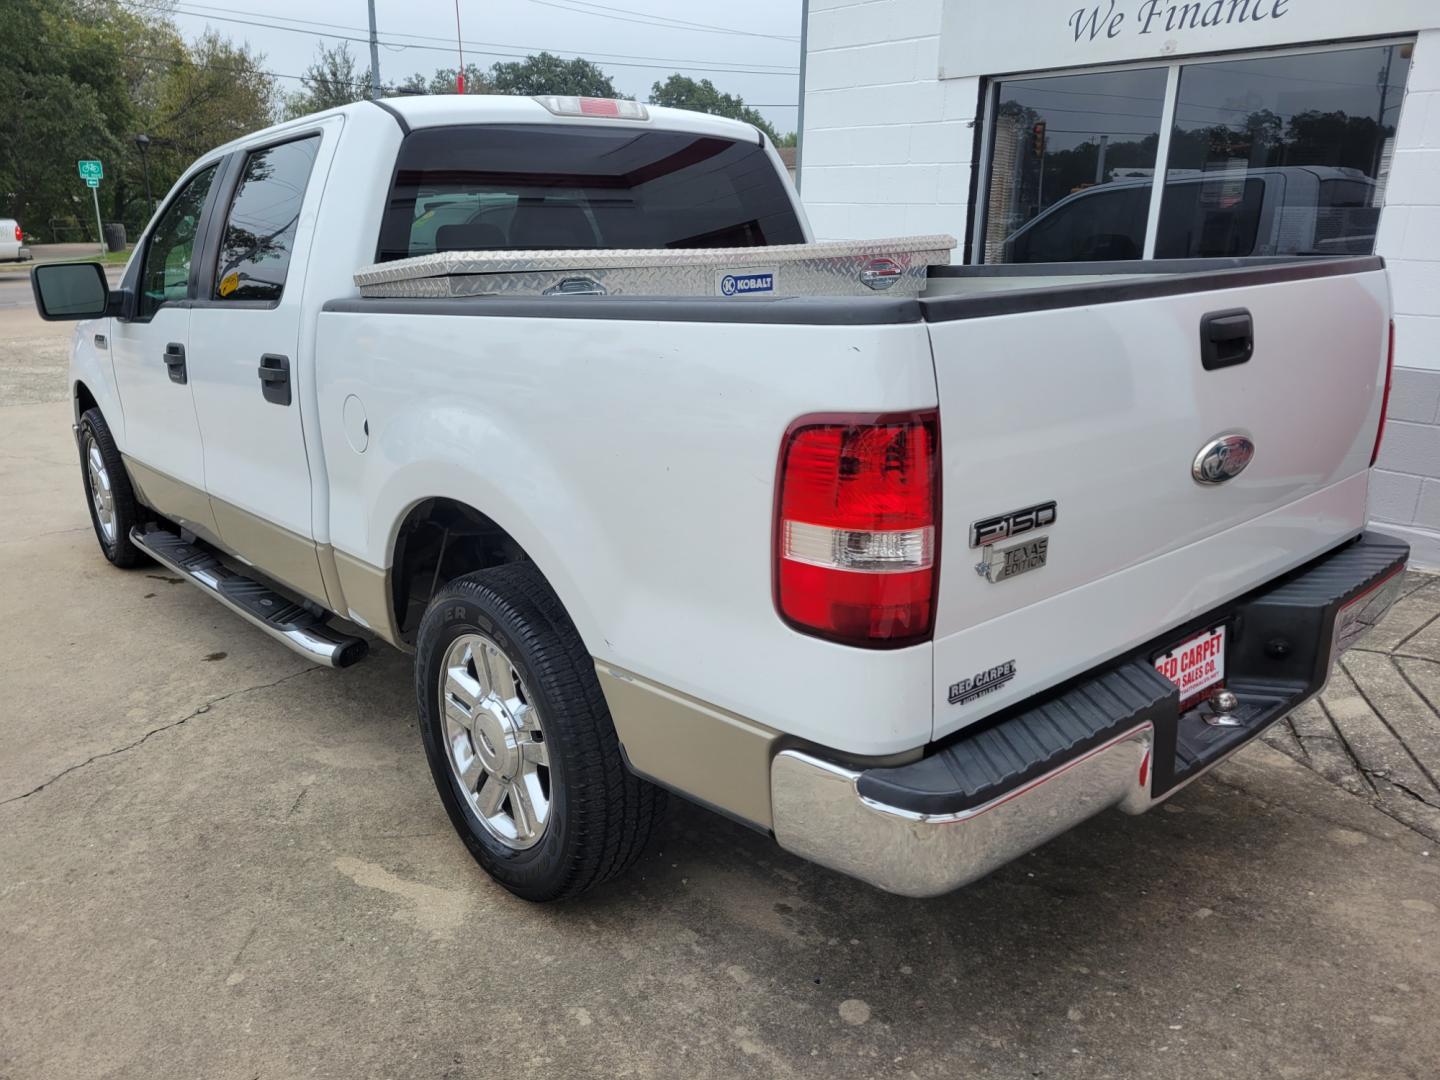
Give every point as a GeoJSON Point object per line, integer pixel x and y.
{"type": "Point", "coordinates": [460, 46]}
{"type": "Point", "coordinates": [800, 111]}
{"type": "Point", "coordinates": [374, 55]}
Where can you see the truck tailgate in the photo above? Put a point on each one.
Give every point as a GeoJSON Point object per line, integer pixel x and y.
{"type": "Point", "coordinates": [1095, 398]}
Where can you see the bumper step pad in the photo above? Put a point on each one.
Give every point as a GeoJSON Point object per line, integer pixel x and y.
{"type": "Point", "coordinates": [1282, 641]}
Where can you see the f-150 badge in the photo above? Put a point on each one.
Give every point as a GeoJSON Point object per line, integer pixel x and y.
{"type": "Point", "coordinates": [1001, 564]}
{"type": "Point", "coordinates": [1004, 526]}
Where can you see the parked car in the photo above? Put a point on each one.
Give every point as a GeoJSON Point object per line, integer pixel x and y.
{"type": "Point", "coordinates": [12, 241]}
{"type": "Point", "coordinates": [911, 566]}
{"type": "Point", "coordinates": [1285, 210]}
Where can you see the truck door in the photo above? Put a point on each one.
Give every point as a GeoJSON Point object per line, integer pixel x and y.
{"type": "Point", "coordinates": [245, 342]}
{"type": "Point", "coordinates": [150, 353]}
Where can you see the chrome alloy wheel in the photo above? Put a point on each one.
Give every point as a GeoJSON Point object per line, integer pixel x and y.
{"type": "Point", "coordinates": [100, 493]}
{"type": "Point", "coordinates": [494, 741]}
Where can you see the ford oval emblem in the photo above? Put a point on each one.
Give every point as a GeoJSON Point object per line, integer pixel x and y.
{"type": "Point", "coordinates": [1222, 459]}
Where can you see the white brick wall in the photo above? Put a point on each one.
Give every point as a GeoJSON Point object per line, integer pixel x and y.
{"type": "Point", "coordinates": [1405, 492]}
{"type": "Point", "coordinates": [888, 147]}
{"type": "Point", "coordinates": [887, 144]}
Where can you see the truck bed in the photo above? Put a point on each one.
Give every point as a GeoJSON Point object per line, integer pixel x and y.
{"type": "Point", "coordinates": [1088, 394]}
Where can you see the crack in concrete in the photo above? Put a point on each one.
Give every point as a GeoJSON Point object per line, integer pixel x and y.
{"type": "Point", "coordinates": [199, 710]}
{"type": "Point", "coordinates": [1413, 633]}
{"type": "Point", "coordinates": [1385, 723]}
{"type": "Point", "coordinates": [1376, 802]}
{"type": "Point", "coordinates": [1270, 803]}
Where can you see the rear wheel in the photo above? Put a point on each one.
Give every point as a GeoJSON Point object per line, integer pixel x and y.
{"type": "Point", "coordinates": [113, 508]}
{"type": "Point", "coordinates": [520, 741]}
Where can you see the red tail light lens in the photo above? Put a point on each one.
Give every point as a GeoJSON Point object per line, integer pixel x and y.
{"type": "Point", "coordinates": [1385, 397]}
{"type": "Point", "coordinates": [19, 236]}
{"type": "Point", "coordinates": [857, 530]}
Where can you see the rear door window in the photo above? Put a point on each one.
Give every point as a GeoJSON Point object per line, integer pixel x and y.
{"type": "Point", "coordinates": [523, 187]}
{"type": "Point", "coordinates": [260, 228]}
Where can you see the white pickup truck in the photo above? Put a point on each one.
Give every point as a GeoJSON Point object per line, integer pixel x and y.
{"type": "Point", "coordinates": [911, 566]}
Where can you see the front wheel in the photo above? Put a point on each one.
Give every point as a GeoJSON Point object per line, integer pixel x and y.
{"type": "Point", "coordinates": [520, 741]}
{"type": "Point", "coordinates": [113, 508]}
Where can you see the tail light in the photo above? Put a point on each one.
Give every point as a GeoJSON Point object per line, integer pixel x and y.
{"type": "Point", "coordinates": [1385, 397]}
{"type": "Point", "coordinates": [857, 527]}
{"type": "Point", "coordinates": [19, 236]}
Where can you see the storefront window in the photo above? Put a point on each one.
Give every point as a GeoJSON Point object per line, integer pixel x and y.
{"type": "Point", "coordinates": [1309, 135]}
{"type": "Point", "coordinates": [1282, 155]}
{"type": "Point", "coordinates": [1057, 139]}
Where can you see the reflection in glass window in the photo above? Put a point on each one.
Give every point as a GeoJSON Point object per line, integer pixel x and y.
{"type": "Point", "coordinates": [166, 273]}
{"type": "Point", "coordinates": [519, 187]}
{"type": "Point", "coordinates": [1283, 155]}
{"type": "Point", "coordinates": [1072, 161]}
{"type": "Point", "coordinates": [260, 231]}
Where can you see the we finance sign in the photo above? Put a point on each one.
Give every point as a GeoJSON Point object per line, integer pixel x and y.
{"type": "Point", "coordinates": [1042, 35]}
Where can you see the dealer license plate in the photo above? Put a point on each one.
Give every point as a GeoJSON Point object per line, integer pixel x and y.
{"type": "Point", "coordinates": [1196, 666]}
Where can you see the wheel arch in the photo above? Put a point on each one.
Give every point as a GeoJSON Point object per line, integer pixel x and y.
{"type": "Point", "coordinates": [436, 540]}
{"type": "Point", "coordinates": [84, 400]}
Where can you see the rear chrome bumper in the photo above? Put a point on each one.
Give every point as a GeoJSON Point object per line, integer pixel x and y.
{"type": "Point", "coordinates": [1139, 751]}
{"type": "Point", "coordinates": [821, 816]}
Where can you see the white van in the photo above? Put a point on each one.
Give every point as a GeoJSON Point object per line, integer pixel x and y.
{"type": "Point", "coordinates": [12, 241]}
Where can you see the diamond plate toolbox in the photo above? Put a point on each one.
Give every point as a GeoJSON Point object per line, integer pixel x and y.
{"type": "Point", "coordinates": [892, 267]}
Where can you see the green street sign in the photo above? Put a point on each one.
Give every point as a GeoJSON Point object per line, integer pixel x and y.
{"type": "Point", "coordinates": [92, 181]}
{"type": "Point", "coordinates": [91, 171]}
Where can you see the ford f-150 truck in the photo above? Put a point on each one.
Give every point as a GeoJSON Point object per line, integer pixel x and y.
{"type": "Point", "coordinates": [911, 566]}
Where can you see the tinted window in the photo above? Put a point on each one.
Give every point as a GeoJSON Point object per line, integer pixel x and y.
{"type": "Point", "coordinates": [1056, 137]}
{"type": "Point", "coordinates": [527, 188]}
{"type": "Point", "coordinates": [260, 230]}
{"type": "Point", "coordinates": [1316, 129]}
{"type": "Point", "coordinates": [1210, 218]}
{"type": "Point", "coordinates": [166, 273]}
{"type": "Point", "coordinates": [1106, 222]}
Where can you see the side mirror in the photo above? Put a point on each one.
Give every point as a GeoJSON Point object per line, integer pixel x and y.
{"type": "Point", "coordinates": [67, 291]}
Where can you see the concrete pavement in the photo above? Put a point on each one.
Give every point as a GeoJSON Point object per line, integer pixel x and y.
{"type": "Point", "coordinates": [217, 861]}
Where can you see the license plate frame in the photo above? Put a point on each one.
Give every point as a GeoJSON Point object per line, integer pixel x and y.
{"type": "Point", "coordinates": [1196, 664]}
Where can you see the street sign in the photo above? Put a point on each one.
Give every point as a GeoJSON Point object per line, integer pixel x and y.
{"type": "Point", "coordinates": [91, 172]}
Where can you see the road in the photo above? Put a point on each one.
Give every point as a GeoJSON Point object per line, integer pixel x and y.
{"type": "Point", "coordinates": [218, 861]}
{"type": "Point", "coordinates": [15, 285]}
{"type": "Point", "coordinates": [15, 290]}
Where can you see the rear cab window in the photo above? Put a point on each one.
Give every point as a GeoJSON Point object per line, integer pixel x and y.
{"type": "Point", "coordinates": [549, 186]}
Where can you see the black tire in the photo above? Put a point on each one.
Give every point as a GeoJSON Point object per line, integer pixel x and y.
{"type": "Point", "coordinates": [125, 510]}
{"type": "Point", "coordinates": [601, 815]}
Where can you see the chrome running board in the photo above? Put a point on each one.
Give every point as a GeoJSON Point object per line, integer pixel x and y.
{"type": "Point", "coordinates": [284, 620]}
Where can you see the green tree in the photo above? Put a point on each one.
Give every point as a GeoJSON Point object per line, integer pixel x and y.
{"type": "Point", "coordinates": [477, 81]}
{"type": "Point", "coordinates": [333, 79]}
{"type": "Point", "coordinates": [61, 82]}
{"type": "Point", "coordinates": [545, 73]}
{"type": "Point", "coordinates": [681, 92]}
{"type": "Point", "coordinates": [82, 78]}
{"type": "Point", "coordinates": [203, 95]}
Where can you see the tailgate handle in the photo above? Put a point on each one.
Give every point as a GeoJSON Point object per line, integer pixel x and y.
{"type": "Point", "coordinates": [1227, 338]}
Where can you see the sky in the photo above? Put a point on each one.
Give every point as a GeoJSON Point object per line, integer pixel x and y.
{"type": "Point", "coordinates": [745, 47]}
